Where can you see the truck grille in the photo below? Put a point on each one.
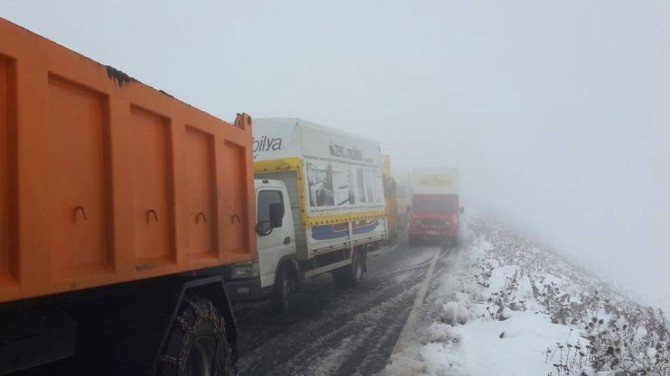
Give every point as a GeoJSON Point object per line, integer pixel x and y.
{"type": "Point", "coordinates": [433, 223]}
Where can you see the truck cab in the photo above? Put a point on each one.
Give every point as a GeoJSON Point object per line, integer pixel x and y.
{"type": "Point", "coordinates": [275, 242]}
{"type": "Point", "coordinates": [434, 217]}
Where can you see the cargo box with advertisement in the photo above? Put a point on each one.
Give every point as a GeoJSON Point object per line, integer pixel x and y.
{"type": "Point", "coordinates": [334, 178]}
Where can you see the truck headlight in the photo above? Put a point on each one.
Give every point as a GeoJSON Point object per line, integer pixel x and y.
{"type": "Point", "coordinates": [241, 271]}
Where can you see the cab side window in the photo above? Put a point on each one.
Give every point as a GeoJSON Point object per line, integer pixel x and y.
{"type": "Point", "coordinates": [265, 198]}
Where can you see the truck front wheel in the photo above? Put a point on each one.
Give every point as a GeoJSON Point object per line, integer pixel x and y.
{"type": "Point", "coordinates": [197, 343]}
{"type": "Point", "coordinates": [284, 287]}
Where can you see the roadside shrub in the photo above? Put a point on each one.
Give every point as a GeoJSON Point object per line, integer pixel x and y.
{"type": "Point", "coordinates": [454, 313]}
{"type": "Point", "coordinates": [443, 333]}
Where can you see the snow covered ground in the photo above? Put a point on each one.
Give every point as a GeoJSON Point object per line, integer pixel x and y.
{"type": "Point", "coordinates": [504, 305]}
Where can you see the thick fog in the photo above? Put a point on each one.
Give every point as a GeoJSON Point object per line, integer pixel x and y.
{"type": "Point", "coordinates": [557, 113]}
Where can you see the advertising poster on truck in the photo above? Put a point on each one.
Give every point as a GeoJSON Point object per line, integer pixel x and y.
{"type": "Point", "coordinates": [343, 173]}
{"type": "Point", "coordinates": [336, 177]}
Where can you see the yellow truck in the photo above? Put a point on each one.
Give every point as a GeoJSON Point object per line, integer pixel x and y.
{"type": "Point", "coordinates": [390, 198]}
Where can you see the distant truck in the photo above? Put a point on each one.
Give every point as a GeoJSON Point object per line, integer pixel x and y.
{"type": "Point", "coordinates": [434, 210]}
{"type": "Point", "coordinates": [403, 199]}
{"type": "Point", "coordinates": [320, 209]}
{"type": "Point", "coordinates": [390, 198]}
{"type": "Point", "coordinates": [120, 209]}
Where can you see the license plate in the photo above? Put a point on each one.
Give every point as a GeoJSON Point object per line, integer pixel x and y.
{"type": "Point", "coordinates": [432, 232]}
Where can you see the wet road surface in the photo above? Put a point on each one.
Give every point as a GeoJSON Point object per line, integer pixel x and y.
{"type": "Point", "coordinates": [335, 331]}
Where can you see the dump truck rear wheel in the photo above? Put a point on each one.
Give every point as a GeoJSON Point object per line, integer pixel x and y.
{"type": "Point", "coordinates": [351, 274]}
{"type": "Point", "coordinates": [197, 344]}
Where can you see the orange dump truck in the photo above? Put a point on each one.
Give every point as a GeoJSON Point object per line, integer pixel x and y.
{"type": "Point", "coordinates": [120, 208]}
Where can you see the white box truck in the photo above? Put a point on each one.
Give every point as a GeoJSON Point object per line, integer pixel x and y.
{"type": "Point", "coordinates": [320, 208]}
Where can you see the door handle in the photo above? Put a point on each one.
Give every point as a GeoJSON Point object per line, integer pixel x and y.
{"type": "Point", "coordinates": [287, 240]}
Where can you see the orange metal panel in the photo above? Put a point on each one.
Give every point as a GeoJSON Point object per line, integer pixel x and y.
{"type": "Point", "coordinates": [234, 199]}
{"type": "Point", "coordinates": [8, 260]}
{"type": "Point", "coordinates": [4, 165]}
{"type": "Point", "coordinates": [201, 182]}
{"type": "Point", "coordinates": [152, 189]}
{"type": "Point", "coordinates": [77, 173]}
{"type": "Point", "coordinates": [102, 178]}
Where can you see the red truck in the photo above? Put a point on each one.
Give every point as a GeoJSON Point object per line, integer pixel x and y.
{"type": "Point", "coordinates": [434, 211]}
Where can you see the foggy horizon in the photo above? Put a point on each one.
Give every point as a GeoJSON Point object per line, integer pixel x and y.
{"type": "Point", "coordinates": [555, 113]}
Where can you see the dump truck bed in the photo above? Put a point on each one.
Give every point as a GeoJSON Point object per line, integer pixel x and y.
{"type": "Point", "coordinates": [106, 180]}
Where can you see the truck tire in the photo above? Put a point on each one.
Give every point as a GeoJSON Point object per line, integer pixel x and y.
{"type": "Point", "coordinates": [351, 274]}
{"type": "Point", "coordinates": [285, 286]}
{"type": "Point", "coordinates": [447, 242]}
{"type": "Point", "coordinates": [197, 343]}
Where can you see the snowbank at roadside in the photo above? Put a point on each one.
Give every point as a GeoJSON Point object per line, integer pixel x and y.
{"type": "Point", "coordinates": [505, 306]}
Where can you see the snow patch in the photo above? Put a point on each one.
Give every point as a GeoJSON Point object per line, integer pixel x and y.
{"type": "Point", "coordinates": [507, 306]}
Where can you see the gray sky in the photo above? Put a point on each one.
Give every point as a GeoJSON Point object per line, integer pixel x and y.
{"type": "Point", "coordinates": [556, 112]}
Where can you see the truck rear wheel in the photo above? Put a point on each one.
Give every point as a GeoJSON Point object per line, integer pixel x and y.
{"type": "Point", "coordinates": [351, 274]}
{"type": "Point", "coordinates": [197, 343]}
{"type": "Point", "coordinates": [285, 286]}
{"type": "Point", "coordinates": [412, 241]}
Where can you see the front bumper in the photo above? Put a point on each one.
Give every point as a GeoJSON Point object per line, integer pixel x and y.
{"type": "Point", "coordinates": [434, 232]}
{"type": "Point", "coordinates": [247, 290]}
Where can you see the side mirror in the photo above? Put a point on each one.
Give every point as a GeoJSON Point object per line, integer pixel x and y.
{"type": "Point", "coordinates": [276, 214]}
{"type": "Point", "coordinates": [264, 228]}
{"type": "Point", "coordinates": [462, 210]}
